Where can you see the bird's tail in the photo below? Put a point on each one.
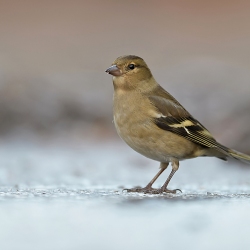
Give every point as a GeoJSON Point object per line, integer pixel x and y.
{"type": "Point", "coordinates": [239, 156]}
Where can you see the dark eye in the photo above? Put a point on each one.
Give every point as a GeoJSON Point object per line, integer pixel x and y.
{"type": "Point", "coordinates": [131, 66]}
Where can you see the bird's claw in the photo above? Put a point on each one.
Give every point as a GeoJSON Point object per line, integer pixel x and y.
{"type": "Point", "coordinates": [145, 190]}
{"type": "Point", "coordinates": [171, 191]}
{"type": "Point", "coordinates": [150, 190]}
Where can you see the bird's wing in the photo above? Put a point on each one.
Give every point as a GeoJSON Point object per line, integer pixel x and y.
{"type": "Point", "coordinates": [174, 118]}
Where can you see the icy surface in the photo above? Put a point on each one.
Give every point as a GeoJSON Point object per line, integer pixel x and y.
{"type": "Point", "coordinates": [57, 196]}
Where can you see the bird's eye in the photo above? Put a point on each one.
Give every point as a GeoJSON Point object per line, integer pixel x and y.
{"type": "Point", "coordinates": [131, 66]}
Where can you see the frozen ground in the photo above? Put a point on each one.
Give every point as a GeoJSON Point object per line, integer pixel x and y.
{"type": "Point", "coordinates": [69, 196]}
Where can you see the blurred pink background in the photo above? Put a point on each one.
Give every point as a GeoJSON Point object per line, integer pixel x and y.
{"type": "Point", "coordinates": [53, 55]}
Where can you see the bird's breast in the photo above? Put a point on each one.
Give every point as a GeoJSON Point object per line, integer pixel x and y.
{"type": "Point", "coordinates": [134, 123]}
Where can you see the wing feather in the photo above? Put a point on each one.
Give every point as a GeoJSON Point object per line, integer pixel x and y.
{"type": "Point", "coordinates": [177, 120]}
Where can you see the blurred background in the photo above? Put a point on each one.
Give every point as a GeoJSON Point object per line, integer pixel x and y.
{"type": "Point", "coordinates": [53, 55]}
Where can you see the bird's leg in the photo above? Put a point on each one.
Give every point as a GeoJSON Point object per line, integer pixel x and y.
{"type": "Point", "coordinates": [163, 189]}
{"type": "Point", "coordinates": [148, 188]}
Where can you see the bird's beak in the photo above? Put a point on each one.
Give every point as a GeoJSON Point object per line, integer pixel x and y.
{"type": "Point", "coordinates": [114, 70]}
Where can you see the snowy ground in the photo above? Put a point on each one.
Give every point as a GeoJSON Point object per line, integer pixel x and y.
{"type": "Point", "coordinates": [69, 196]}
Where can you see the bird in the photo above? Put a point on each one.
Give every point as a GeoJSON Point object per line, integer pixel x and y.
{"type": "Point", "coordinates": [153, 123]}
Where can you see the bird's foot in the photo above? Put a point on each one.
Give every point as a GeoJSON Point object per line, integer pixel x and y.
{"type": "Point", "coordinates": [171, 191]}
{"type": "Point", "coordinates": [150, 190]}
{"type": "Point", "coordinates": [161, 191]}
{"type": "Point", "coordinates": [145, 190]}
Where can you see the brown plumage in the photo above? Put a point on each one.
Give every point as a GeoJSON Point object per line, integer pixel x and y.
{"type": "Point", "coordinates": [155, 124]}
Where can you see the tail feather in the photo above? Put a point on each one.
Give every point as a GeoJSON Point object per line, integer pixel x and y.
{"type": "Point", "coordinates": [239, 156]}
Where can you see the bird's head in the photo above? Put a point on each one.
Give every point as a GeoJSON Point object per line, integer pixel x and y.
{"type": "Point", "coordinates": [129, 70]}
